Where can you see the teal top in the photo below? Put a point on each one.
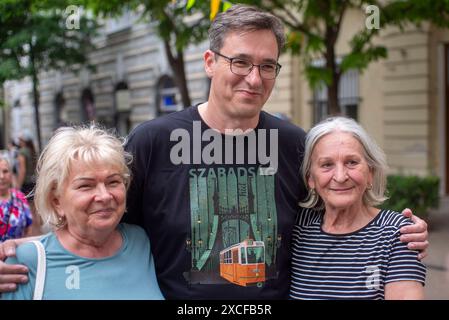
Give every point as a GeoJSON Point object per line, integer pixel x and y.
{"type": "Point", "coordinates": [127, 275]}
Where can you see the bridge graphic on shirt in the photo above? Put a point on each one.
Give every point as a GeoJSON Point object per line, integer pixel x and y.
{"type": "Point", "coordinates": [229, 206]}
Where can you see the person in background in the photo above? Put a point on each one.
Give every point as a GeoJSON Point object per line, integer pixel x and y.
{"type": "Point", "coordinates": [26, 176]}
{"type": "Point", "coordinates": [344, 247]}
{"type": "Point", "coordinates": [81, 191]}
{"type": "Point", "coordinates": [13, 153]}
{"type": "Point", "coordinates": [27, 163]}
{"type": "Point", "coordinates": [15, 214]}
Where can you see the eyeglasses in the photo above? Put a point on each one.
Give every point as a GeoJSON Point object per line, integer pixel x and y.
{"type": "Point", "coordinates": [242, 67]}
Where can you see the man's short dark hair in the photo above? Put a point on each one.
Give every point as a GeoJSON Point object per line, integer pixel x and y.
{"type": "Point", "coordinates": [244, 18]}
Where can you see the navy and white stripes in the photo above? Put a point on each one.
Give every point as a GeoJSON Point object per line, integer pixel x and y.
{"type": "Point", "coordinates": [350, 266]}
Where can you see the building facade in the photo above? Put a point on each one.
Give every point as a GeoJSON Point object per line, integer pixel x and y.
{"type": "Point", "coordinates": [132, 83]}
{"type": "Point", "coordinates": [402, 101]}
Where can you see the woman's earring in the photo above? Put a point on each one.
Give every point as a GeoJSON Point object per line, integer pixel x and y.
{"type": "Point", "coordinates": [61, 221]}
{"type": "Point", "coordinates": [370, 186]}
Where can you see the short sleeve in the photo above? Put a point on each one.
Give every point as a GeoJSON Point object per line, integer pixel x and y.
{"type": "Point", "coordinates": [403, 264]}
{"type": "Point", "coordinates": [26, 255]}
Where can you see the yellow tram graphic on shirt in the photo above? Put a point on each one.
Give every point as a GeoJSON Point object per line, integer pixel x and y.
{"type": "Point", "coordinates": [244, 263]}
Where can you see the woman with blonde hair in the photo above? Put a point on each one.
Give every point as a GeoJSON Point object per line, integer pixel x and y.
{"type": "Point", "coordinates": [15, 214]}
{"type": "Point", "coordinates": [82, 178]}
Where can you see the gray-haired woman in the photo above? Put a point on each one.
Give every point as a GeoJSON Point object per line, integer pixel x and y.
{"type": "Point", "coordinates": [343, 246]}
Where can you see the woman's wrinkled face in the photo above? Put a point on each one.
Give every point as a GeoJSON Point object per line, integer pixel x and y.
{"type": "Point", "coordinates": [339, 171]}
{"type": "Point", "coordinates": [92, 198]}
{"type": "Point", "coordinates": [5, 177]}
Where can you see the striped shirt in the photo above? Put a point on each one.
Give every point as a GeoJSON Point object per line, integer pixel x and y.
{"type": "Point", "coordinates": [356, 265]}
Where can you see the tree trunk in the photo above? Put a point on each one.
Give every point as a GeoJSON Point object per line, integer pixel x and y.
{"type": "Point", "coordinates": [179, 75]}
{"type": "Point", "coordinates": [331, 64]}
{"type": "Point", "coordinates": [332, 96]}
{"type": "Point", "coordinates": [35, 97]}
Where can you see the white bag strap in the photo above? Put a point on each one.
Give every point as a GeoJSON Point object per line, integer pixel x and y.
{"type": "Point", "coordinates": [40, 273]}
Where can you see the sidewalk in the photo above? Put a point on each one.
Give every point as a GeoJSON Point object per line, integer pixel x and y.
{"type": "Point", "coordinates": [437, 262]}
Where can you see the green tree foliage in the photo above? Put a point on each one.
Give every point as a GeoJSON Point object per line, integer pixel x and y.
{"type": "Point", "coordinates": [35, 37]}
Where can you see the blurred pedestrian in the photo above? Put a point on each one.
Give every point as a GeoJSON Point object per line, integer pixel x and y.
{"type": "Point", "coordinates": [27, 164]}
{"type": "Point", "coordinates": [344, 247]}
{"type": "Point", "coordinates": [15, 214]}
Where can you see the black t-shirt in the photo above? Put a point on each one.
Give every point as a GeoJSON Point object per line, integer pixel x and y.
{"type": "Point", "coordinates": [219, 209]}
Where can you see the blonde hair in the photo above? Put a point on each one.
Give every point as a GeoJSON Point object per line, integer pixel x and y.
{"type": "Point", "coordinates": [373, 154]}
{"type": "Point", "coordinates": [89, 144]}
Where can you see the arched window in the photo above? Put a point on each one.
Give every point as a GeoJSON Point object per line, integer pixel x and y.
{"type": "Point", "coordinates": [168, 98]}
{"type": "Point", "coordinates": [122, 108]}
{"type": "Point", "coordinates": [88, 112]}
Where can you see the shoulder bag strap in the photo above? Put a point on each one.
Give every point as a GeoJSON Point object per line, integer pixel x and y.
{"type": "Point", "coordinates": [40, 273]}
